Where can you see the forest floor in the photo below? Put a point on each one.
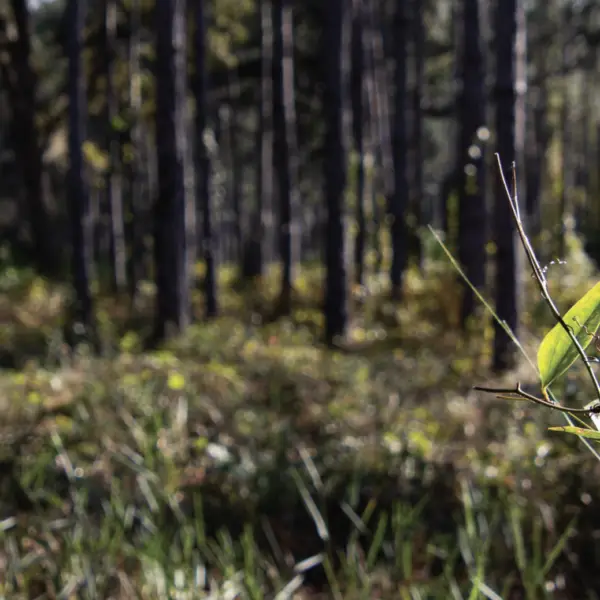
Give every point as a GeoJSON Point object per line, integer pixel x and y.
{"type": "Point", "coordinates": [247, 460]}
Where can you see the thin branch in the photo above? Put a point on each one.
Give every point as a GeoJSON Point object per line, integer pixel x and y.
{"type": "Point", "coordinates": [541, 279]}
{"type": "Point", "coordinates": [520, 393]}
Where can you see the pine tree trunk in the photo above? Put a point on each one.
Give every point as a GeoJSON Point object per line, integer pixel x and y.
{"type": "Point", "coordinates": [203, 163]}
{"type": "Point", "coordinates": [79, 198]}
{"type": "Point", "coordinates": [335, 171]}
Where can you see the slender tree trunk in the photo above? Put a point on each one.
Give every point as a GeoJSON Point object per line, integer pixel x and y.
{"type": "Point", "coordinates": [133, 213]}
{"type": "Point", "coordinates": [335, 171]}
{"type": "Point", "coordinates": [254, 255]}
{"type": "Point", "coordinates": [27, 144]}
{"type": "Point", "coordinates": [452, 179]}
{"type": "Point", "coordinates": [358, 120]}
{"type": "Point", "coordinates": [398, 201]}
{"type": "Point", "coordinates": [417, 184]}
{"type": "Point", "coordinates": [596, 220]}
{"type": "Point", "coordinates": [377, 85]}
{"type": "Point", "coordinates": [510, 127]}
{"type": "Point", "coordinates": [79, 197]}
{"type": "Point", "coordinates": [203, 163]}
{"type": "Point", "coordinates": [584, 147]}
{"type": "Point", "coordinates": [472, 228]}
{"type": "Point", "coordinates": [113, 176]}
{"type": "Point", "coordinates": [538, 130]}
{"type": "Point", "coordinates": [535, 152]}
{"type": "Point", "coordinates": [231, 147]}
{"type": "Point", "coordinates": [285, 151]}
{"type": "Point", "coordinates": [565, 145]}
{"type": "Point", "coordinates": [172, 216]}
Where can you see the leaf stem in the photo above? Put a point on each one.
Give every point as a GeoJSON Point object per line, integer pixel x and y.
{"type": "Point", "coordinates": [521, 393]}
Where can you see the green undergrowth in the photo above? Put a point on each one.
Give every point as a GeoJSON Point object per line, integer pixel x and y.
{"type": "Point", "coordinates": [246, 460]}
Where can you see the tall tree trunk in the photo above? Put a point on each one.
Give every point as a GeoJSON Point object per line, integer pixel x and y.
{"type": "Point", "coordinates": [537, 130]}
{"type": "Point", "coordinates": [133, 213]}
{"type": "Point", "coordinates": [27, 144]}
{"type": "Point", "coordinates": [510, 127]}
{"type": "Point", "coordinates": [113, 184]}
{"type": "Point", "coordinates": [335, 170]}
{"type": "Point", "coordinates": [203, 164]}
{"type": "Point", "coordinates": [285, 151]}
{"type": "Point", "coordinates": [584, 150]}
{"type": "Point", "coordinates": [254, 255]}
{"type": "Point", "coordinates": [472, 227]}
{"type": "Point", "coordinates": [358, 121]}
{"type": "Point", "coordinates": [79, 198]}
{"type": "Point", "coordinates": [417, 187]}
{"type": "Point", "coordinates": [377, 84]}
{"type": "Point", "coordinates": [398, 201]}
{"type": "Point", "coordinates": [172, 216]}
{"type": "Point", "coordinates": [451, 181]}
{"type": "Point", "coordinates": [565, 208]}
{"type": "Point", "coordinates": [231, 155]}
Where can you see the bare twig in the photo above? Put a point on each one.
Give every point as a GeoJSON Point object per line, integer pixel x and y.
{"type": "Point", "coordinates": [519, 392]}
{"type": "Point", "coordinates": [541, 277]}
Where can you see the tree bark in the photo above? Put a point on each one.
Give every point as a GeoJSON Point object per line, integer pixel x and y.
{"type": "Point", "coordinates": [203, 163]}
{"type": "Point", "coordinates": [26, 142]}
{"type": "Point", "coordinates": [79, 198]}
{"type": "Point", "coordinates": [173, 216]}
{"type": "Point", "coordinates": [358, 122]}
{"type": "Point", "coordinates": [284, 150]}
{"type": "Point", "coordinates": [510, 128]}
{"type": "Point", "coordinates": [113, 181]}
{"type": "Point", "coordinates": [472, 225]}
{"type": "Point", "coordinates": [398, 201]}
{"type": "Point", "coordinates": [335, 171]}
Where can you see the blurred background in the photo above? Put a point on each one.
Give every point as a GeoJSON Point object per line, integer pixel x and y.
{"type": "Point", "coordinates": [235, 361]}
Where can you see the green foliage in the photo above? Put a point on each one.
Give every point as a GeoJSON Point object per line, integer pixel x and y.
{"type": "Point", "coordinates": [363, 467]}
{"type": "Point", "coordinates": [557, 351]}
{"type": "Point", "coordinates": [579, 431]}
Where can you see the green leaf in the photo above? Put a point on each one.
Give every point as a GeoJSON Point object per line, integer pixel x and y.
{"type": "Point", "coordinates": [176, 381]}
{"type": "Point", "coordinates": [580, 431]}
{"type": "Point", "coordinates": [557, 352]}
{"type": "Point", "coordinates": [119, 123]}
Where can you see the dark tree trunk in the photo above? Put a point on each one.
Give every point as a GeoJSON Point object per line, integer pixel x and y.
{"type": "Point", "coordinates": [79, 197]}
{"type": "Point", "coordinates": [335, 170]}
{"type": "Point", "coordinates": [231, 154]}
{"type": "Point", "coordinates": [448, 207]}
{"type": "Point", "coordinates": [172, 251]}
{"type": "Point", "coordinates": [584, 150]}
{"type": "Point", "coordinates": [27, 144]}
{"type": "Point", "coordinates": [254, 254]}
{"type": "Point", "coordinates": [398, 201]}
{"type": "Point", "coordinates": [565, 146]}
{"type": "Point", "coordinates": [510, 48]}
{"type": "Point", "coordinates": [417, 187]}
{"type": "Point", "coordinates": [538, 133]}
{"type": "Point", "coordinates": [203, 164]}
{"type": "Point", "coordinates": [377, 84]}
{"type": "Point", "coordinates": [536, 151]}
{"type": "Point", "coordinates": [113, 176]}
{"type": "Point", "coordinates": [284, 148]}
{"type": "Point", "coordinates": [358, 122]}
{"type": "Point", "coordinates": [472, 227]}
{"type": "Point", "coordinates": [140, 189]}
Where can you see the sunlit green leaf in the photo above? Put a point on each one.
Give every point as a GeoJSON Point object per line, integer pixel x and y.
{"type": "Point", "coordinates": [119, 123]}
{"type": "Point", "coordinates": [176, 381]}
{"type": "Point", "coordinates": [580, 431]}
{"type": "Point", "coordinates": [557, 352]}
